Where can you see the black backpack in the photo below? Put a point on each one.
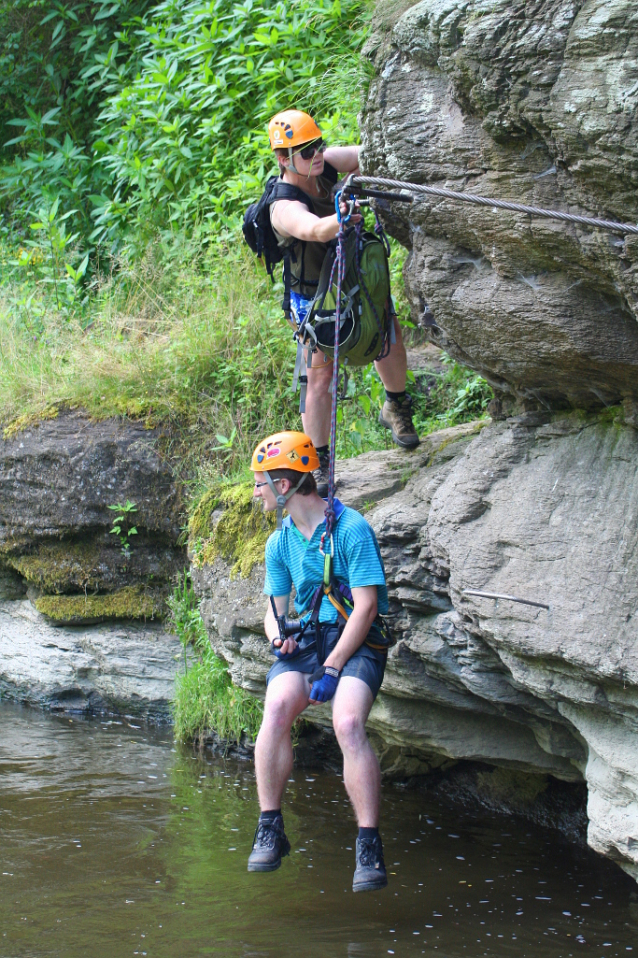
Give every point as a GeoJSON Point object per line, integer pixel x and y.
{"type": "Point", "coordinates": [257, 228]}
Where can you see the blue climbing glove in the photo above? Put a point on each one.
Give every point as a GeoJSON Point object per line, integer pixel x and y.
{"type": "Point", "coordinates": [324, 683]}
{"type": "Point", "coordinates": [286, 655]}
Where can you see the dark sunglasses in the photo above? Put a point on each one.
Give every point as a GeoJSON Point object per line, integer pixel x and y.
{"type": "Point", "coordinates": [309, 152]}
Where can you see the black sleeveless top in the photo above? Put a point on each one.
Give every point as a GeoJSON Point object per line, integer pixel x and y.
{"type": "Point", "coordinates": [306, 256]}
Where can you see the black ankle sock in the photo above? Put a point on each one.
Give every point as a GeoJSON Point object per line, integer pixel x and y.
{"type": "Point", "coordinates": [270, 816]}
{"type": "Point", "coordinates": [395, 397]}
{"type": "Point", "coordinates": [368, 832]}
{"type": "Point", "coordinates": [322, 450]}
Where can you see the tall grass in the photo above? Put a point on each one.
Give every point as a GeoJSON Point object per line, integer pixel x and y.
{"type": "Point", "coordinates": [205, 698]}
{"type": "Point", "coordinates": [202, 347]}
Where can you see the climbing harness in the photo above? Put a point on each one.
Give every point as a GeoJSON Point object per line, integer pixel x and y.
{"type": "Point", "coordinates": [358, 183]}
{"type": "Point", "coordinates": [340, 598]}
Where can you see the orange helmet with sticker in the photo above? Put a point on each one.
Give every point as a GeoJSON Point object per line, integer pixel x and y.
{"type": "Point", "coordinates": [285, 450]}
{"type": "Point", "coordinates": [291, 128]}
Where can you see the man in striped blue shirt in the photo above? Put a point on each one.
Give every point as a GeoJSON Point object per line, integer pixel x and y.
{"type": "Point", "coordinates": [328, 658]}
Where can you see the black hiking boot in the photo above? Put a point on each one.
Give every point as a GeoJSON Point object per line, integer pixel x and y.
{"type": "Point", "coordinates": [270, 845]}
{"type": "Point", "coordinates": [397, 416]}
{"type": "Point", "coordinates": [370, 872]}
{"type": "Point", "coordinates": [321, 474]}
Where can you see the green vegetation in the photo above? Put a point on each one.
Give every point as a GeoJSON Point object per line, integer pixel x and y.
{"type": "Point", "coordinates": [122, 527]}
{"type": "Point", "coordinates": [227, 523]}
{"type": "Point", "coordinates": [131, 602]}
{"type": "Point", "coordinates": [205, 698]}
{"type": "Point", "coordinates": [128, 117]}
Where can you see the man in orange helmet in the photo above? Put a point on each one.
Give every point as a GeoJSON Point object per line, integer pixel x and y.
{"type": "Point", "coordinates": [306, 162]}
{"type": "Point", "coordinates": [323, 657]}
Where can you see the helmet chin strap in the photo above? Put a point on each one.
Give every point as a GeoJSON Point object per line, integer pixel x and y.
{"type": "Point", "coordinates": [280, 498]}
{"type": "Point", "coordinates": [292, 166]}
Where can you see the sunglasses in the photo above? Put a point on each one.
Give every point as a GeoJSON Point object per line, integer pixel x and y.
{"type": "Point", "coordinates": [309, 151]}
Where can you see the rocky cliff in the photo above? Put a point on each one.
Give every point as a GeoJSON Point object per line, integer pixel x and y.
{"type": "Point", "coordinates": [63, 572]}
{"type": "Point", "coordinates": [536, 102]}
{"type": "Point", "coordinates": [533, 102]}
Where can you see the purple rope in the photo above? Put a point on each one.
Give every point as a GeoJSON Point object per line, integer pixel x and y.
{"type": "Point", "coordinates": [340, 262]}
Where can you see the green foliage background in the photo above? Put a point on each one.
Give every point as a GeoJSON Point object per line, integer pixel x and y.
{"type": "Point", "coordinates": [138, 117]}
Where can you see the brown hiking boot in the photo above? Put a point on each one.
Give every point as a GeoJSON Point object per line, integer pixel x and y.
{"type": "Point", "coordinates": [321, 474]}
{"type": "Point", "coordinates": [397, 416]}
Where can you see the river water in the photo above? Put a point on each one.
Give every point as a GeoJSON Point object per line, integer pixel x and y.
{"type": "Point", "coordinates": [114, 843]}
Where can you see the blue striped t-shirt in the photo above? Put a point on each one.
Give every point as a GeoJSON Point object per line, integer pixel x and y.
{"type": "Point", "coordinates": [291, 558]}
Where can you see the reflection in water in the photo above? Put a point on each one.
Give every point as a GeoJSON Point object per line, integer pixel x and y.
{"type": "Point", "coordinates": [114, 843]}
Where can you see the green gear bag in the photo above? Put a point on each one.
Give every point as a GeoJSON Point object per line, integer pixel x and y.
{"type": "Point", "coordinates": [366, 304]}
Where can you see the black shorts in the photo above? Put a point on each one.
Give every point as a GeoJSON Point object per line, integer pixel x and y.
{"type": "Point", "coordinates": [366, 664]}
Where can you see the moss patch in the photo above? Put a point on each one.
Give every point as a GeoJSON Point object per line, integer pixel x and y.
{"type": "Point", "coordinates": [55, 566]}
{"type": "Point", "coordinates": [132, 602]}
{"type": "Point", "coordinates": [29, 419]}
{"type": "Point", "coordinates": [226, 524]}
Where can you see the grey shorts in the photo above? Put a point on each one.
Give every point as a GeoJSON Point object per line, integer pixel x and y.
{"type": "Point", "coordinates": [366, 664]}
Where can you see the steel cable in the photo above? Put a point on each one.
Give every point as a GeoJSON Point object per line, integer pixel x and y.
{"type": "Point", "coordinates": [495, 204]}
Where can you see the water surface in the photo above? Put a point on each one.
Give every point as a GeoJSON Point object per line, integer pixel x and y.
{"type": "Point", "coordinates": [114, 844]}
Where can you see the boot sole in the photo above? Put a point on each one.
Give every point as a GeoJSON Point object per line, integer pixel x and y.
{"type": "Point", "coordinates": [265, 866]}
{"type": "Point", "coordinates": [412, 444]}
{"type": "Point", "coordinates": [369, 885]}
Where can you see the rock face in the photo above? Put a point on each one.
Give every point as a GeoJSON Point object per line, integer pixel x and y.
{"type": "Point", "coordinates": [62, 571]}
{"type": "Point", "coordinates": [533, 102]}
{"type": "Point", "coordinates": [126, 668]}
{"type": "Point", "coordinates": [542, 508]}
{"type": "Point", "coordinates": [57, 482]}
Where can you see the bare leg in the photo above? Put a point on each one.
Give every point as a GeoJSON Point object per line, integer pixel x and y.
{"type": "Point", "coordinates": [361, 773]}
{"type": "Point", "coordinates": [393, 368]}
{"type": "Point", "coordinates": [286, 698]}
{"type": "Point", "coordinates": [316, 418]}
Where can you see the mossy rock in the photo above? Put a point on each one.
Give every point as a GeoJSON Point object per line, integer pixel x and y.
{"type": "Point", "coordinates": [227, 524]}
{"type": "Point", "coordinates": [132, 602]}
{"type": "Point", "coordinates": [20, 423]}
{"type": "Point", "coordinates": [55, 566]}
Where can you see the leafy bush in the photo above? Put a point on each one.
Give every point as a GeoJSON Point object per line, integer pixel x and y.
{"type": "Point", "coordinates": [135, 118]}
{"type": "Point", "coordinates": [57, 63]}
{"type": "Point", "coordinates": [205, 698]}
{"type": "Point", "coordinates": [185, 141]}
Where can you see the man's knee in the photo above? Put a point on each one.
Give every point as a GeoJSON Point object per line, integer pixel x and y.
{"type": "Point", "coordinates": [320, 379]}
{"type": "Point", "coordinates": [350, 729]}
{"type": "Point", "coordinates": [279, 713]}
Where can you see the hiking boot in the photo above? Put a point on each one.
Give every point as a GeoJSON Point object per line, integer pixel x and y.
{"type": "Point", "coordinates": [397, 416]}
{"type": "Point", "coordinates": [321, 474]}
{"type": "Point", "coordinates": [370, 871]}
{"type": "Point", "coordinates": [270, 845]}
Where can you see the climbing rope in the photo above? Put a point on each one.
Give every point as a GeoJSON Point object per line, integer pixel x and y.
{"type": "Point", "coordinates": [359, 181]}
{"type": "Point", "coordinates": [340, 265]}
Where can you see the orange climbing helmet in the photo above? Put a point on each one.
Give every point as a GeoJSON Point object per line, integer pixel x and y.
{"type": "Point", "coordinates": [285, 450]}
{"type": "Point", "coordinates": [291, 128]}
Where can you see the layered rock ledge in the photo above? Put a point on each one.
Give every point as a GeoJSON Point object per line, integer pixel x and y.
{"type": "Point", "coordinates": [79, 614]}
{"type": "Point", "coordinates": [533, 102]}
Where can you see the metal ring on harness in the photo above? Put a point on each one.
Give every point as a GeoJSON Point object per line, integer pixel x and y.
{"type": "Point", "coordinates": [332, 546]}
